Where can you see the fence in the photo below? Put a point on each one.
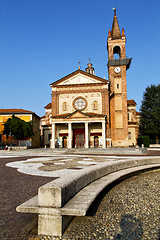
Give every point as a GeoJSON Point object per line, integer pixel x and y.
{"type": "Point", "coordinates": [20, 143]}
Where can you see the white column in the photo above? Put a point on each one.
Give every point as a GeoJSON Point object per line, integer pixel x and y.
{"type": "Point", "coordinates": [69, 135]}
{"type": "Point", "coordinates": [86, 134]}
{"type": "Point", "coordinates": [57, 127]}
{"type": "Point", "coordinates": [104, 134]}
{"type": "Point", "coordinates": [53, 136]}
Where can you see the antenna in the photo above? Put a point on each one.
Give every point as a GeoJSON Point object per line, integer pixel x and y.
{"type": "Point", "coordinates": [79, 65]}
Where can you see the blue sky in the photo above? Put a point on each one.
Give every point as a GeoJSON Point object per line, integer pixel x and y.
{"type": "Point", "coordinates": [41, 41]}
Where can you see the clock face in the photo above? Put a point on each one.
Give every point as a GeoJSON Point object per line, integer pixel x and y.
{"type": "Point", "coordinates": [117, 69]}
{"type": "Point", "coordinates": [80, 103]}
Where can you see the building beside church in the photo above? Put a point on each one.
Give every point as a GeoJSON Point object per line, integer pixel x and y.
{"type": "Point", "coordinates": [25, 115]}
{"type": "Point", "coordinates": [89, 111]}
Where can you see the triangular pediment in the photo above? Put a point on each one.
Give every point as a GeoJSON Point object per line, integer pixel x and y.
{"type": "Point", "coordinates": [79, 77]}
{"type": "Point", "coordinates": [77, 114]}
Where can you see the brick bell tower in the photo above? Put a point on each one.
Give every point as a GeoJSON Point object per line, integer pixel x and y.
{"type": "Point", "coordinates": [118, 64]}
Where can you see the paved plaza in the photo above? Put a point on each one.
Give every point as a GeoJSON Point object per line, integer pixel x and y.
{"type": "Point", "coordinates": [133, 204]}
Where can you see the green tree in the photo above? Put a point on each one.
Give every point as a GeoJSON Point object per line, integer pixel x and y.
{"type": "Point", "coordinates": [18, 128]}
{"type": "Point", "coordinates": [150, 113]}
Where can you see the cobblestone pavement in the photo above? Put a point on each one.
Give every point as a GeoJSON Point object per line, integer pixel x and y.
{"type": "Point", "coordinates": [128, 211]}
{"type": "Point", "coordinates": [15, 188]}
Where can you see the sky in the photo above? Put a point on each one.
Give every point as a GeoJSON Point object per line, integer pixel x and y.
{"type": "Point", "coordinates": [42, 41]}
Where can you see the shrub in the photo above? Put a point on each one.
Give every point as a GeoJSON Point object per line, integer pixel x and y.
{"type": "Point", "coordinates": [146, 141]}
{"type": "Point", "coordinates": [143, 140]}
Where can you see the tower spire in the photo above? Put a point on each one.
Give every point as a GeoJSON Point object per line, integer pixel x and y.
{"type": "Point", "coordinates": [116, 45]}
{"type": "Point", "coordinates": [115, 32]}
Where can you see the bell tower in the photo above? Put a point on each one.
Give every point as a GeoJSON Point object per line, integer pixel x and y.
{"type": "Point", "coordinates": [118, 64]}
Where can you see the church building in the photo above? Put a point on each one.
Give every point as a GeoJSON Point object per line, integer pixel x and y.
{"type": "Point", "coordinates": [89, 111]}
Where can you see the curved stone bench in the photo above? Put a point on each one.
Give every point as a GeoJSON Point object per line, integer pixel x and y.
{"type": "Point", "coordinates": [59, 200]}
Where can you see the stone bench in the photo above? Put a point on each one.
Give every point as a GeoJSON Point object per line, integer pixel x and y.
{"type": "Point", "coordinates": [60, 200]}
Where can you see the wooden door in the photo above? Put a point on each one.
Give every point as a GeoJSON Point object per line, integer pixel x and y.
{"type": "Point", "coordinates": [79, 140]}
{"type": "Point", "coordinates": [64, 142]}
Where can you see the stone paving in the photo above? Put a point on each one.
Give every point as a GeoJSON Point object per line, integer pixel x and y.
{"type": "Point", "coordinates": [131, 210]}
{"type": "Point", "coordinates": [128, 211]}
{"type": "Point", "coordinates": [17, 187]}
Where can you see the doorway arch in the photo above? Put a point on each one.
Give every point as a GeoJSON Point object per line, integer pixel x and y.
{"type": "Point", "coordinates": [64, 142]}
{"type": "Point", "coordinates": [96, 141]}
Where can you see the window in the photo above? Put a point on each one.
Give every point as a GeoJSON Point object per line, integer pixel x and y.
{"type": "Point", "coordinates": [64, 106]}
{"type": "Point", "coordinates": [129, 136]}
{"type": "Point", "coordinates": [117, 85]}
{"type": "Point", "coordinates": [80, 103]}
{"type": "Point", "coordinates": [49, 137]}
{"type": "Point", "coordinates": [128, 116]}
{"type": "Point", "coordinates": [95, 105]}
{"type": "Point", "coordinates": [117, 52]}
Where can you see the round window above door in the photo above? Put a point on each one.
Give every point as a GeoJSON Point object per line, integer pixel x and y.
{"type": "Point", "coordinates": [80, 103]}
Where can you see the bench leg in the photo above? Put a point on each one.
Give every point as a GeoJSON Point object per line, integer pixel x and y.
{"type": "Point", "coordinates": [52, 225]}
{"type": "Point", "coordinates": [49, 225]}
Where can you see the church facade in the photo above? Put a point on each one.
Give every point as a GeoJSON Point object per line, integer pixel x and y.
{"type": "Point", "coordinates": [89, 111]}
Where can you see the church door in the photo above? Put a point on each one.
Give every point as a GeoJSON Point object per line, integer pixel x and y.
{"type": "Point", "coordinates": [79, 140]}
{"type": "Point", "coordinates": [96, 141]}
{"type": "Point", "coordinates": [64, 142]}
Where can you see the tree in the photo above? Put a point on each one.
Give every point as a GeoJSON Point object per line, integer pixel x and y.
{"type": "Point", "coordinates": [150, 113]}
{"type": "Point", "coordinates": [18, 128]}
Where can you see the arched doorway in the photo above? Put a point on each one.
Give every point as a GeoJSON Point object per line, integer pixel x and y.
{"type": "Point", "coordinates": [96, 141]}
{"type": "Point", "coordinates": [64, 142]}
